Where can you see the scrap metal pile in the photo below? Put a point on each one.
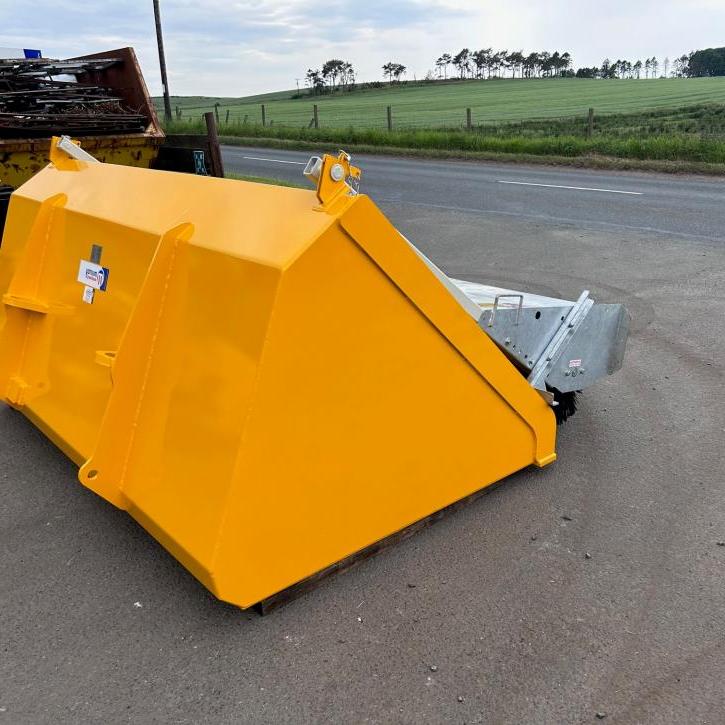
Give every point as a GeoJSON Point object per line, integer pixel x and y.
{"type": "Point", "coordinates": [40, 97]}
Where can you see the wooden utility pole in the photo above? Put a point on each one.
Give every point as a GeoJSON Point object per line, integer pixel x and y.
{"type": "Point", "coordinates": [162, 63]}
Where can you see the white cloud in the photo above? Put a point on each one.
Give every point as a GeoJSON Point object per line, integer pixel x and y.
{"type": "Point", "coordinates": [217, 47]}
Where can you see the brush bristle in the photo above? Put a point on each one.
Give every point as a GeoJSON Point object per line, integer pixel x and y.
{"type": "Point", "coordinates": [565, 404]}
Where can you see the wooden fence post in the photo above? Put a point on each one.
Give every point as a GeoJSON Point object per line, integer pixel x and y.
{"type": "Point", "coordinates": [217, 167]}
{"type": "Point", "coordinates": [469, 124]}
{"type": "Point", "coordinates": [390, 118]}
{"type": "Point", "coordinates": [216, 111]}
{"type": "Point", "coordinates": [590, 123]}
{"type": "Point", "coordinates": [264, 116]}
{"type": "Point", "coordinates": [226, 120]}
{"type": "Point", "coordinates": [315, 116]}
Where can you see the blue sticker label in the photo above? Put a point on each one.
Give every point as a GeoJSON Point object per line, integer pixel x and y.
{"type": "Point", "coordinates": [93, 275]}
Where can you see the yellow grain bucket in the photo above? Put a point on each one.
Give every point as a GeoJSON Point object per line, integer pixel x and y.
{"type": "Point", "coordinates": [268, 379]}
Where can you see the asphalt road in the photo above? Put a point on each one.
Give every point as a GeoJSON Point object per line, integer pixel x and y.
{"type": "Point", "coordinates": [691, 207]}
{"type": "Point", "coordinates": [99, 624]}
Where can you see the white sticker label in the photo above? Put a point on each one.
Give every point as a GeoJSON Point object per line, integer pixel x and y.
{"type": "Point", "coordinates": [92, 275]}
{"type": "Point", "coordinates": [575, 363]}
{"type": "Point", "coordinates": [88, 294]}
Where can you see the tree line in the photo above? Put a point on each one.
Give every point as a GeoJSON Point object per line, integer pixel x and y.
{"type": "Point", "coordinates": [696, 64]}
{"type": "Point", "coordinates": [336, 74]}
{"type": "Point", "coordinates": [649, 68]}
{"type": "Point", "coordinates": [708, 62]}
{"type": "Point", "coordinates": [487, 63]}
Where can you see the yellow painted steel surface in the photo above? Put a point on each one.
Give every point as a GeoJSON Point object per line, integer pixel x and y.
{"type": "Point", "coordinates": [272, 378]}
{"type": "Point", "coordinates": [21, 159]}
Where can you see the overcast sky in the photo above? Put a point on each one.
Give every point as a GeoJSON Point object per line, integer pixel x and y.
{"type": "Point", "coordinates": [241, 47]}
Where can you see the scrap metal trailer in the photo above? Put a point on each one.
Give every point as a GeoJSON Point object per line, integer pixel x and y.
{"type": "Point", "coordinates": [101, 97]}
{"type": "Point", "coordinates": [272, 381]}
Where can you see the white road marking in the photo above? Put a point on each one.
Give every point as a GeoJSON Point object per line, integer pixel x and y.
{"type": "Point", "coordinates": [577, 188]}
{"type": "Point", "coordinates": [276, 161]}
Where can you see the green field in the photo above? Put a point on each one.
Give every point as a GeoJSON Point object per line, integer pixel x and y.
{"type": "Point", "coordinates": [668, 124]}
{"type": "Point", "coordinates": [443, 105]}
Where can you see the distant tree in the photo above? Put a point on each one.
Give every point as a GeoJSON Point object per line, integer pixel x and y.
{"type": "Point", "coordinates": [565, 62]}
{"type": "Point", "coordinates": [654, 65]}
{"type": "Point", "coordinates": [349, 75]}
{"type": "Point", "coordinates": [555, 63]}
{"type": "Point", "coordinates": [489, 61]}
{"type": "Point", "coordinates": [544, 63]}
{"type": "Point", "coordinates": [315, 81]}
{"type": "Point", "coordinates": [587, 73]}
{"type": "Point", "coordinates": [688, 63]}
{"type": "Point", "coordinates": [708, 62]}
{"type": "Point", "coordinates": [647, 65]}
{"type": "Point", "coordinates": [666, 66]}
{"type": "Point", "coordinates": [394, 71]}
{"type": "Point", "coordinates": [502, 62]}
{"type": "Point", "coordinates": [608, 70]}
{"type": "Point", "coordinates": [532, 63]}
{"type": "Point", "coordinates": [637, 69]}
{"type": "Point", "coordinates": [479, 60]}
{"type": "Point", "coordinates": [682, 66]}
{"type": "Point", "coordinates": [462, 61]}
{"type": "Point", "coordinates": [332, 70]}
{"type": "Point", "coordinates": [515, 61]}
{"type": "Point", "coordinates": [443, 62]}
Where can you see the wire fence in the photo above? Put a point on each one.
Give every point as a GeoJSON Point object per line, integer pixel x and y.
{"type": "Point", "coordinates": [401, 117]}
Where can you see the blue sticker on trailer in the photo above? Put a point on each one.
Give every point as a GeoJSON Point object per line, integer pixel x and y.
{"type": "Point", "coordinates": [30, 53]}
{"type": "Point", "coordinates": [93, 275]}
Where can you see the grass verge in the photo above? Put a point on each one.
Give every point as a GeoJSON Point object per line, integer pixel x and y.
{"type": "Point", "coordinates": [669, 147]}
{"type": "Point", "coordinates": [593, 161]}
